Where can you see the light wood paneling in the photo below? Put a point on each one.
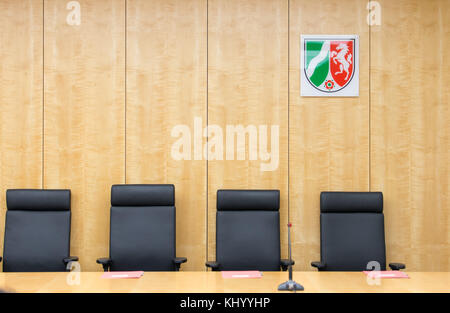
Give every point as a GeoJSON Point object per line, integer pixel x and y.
{"type": "Point", "coordinates": [166, 87]}
{"type": "Point", "coordinates": [329, 137]}
{"type": "Point", "coordinates": [86, 147]}
{"type": "Point", "coordinates": [247, 85]}
{"type": "Point", "coordinates": [21, 98]}
{"type": "Point", "coordinates": [84, 116]}
{"type": "Point", "coordinates": [410, 129]}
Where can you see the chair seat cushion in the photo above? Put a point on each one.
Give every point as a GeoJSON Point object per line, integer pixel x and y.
{"type": "Point", "coordinates": [36, 241]}
{"type": "Point", "coordinates": [349, 241]}
{"type": "Point", "coordinates": [248, 240]}
{"type": "Point", "coordinates": [142, 238]}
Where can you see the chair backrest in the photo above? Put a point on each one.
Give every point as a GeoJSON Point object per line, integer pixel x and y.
{"type": "Point", "coordinates": [37, 230]}
{"type": "Point", "coordinates": [142, 227]}
{"type": "Point", "coordinates": [352, 230]}
{"type": "Point", "coordinates": [248, 230]}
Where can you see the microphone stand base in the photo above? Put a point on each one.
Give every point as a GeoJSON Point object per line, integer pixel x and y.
{"type": "Point", "coordinates": [290, 285]}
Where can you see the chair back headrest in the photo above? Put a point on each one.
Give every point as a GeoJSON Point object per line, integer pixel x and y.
{"type": "Point", "coordinates": [241, 200]}
{"type": "Point", "coordinates": [38, 199]}
{"type": "Point", "coordinates": [351, 202]}
{"type": "Point", "coordinates": [143, 195]}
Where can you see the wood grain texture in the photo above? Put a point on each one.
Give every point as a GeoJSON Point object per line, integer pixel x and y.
{"type": "Point", "coordinates": [84, 116]}
{"type": "Point", "coordinates": [410, 128]}
{"type": "Point", "coordinates": [247, 85]}
{"type": "Point", "coordinates": [90, 138]}
{"type": "Point", "coordinates": [212, 282]}
{"type": "Point", "coordinates": [166, 87]}
{"type": "Point", "coordinates": [329, 137]}
{"type": "Point", "coordinates": [21, 98]}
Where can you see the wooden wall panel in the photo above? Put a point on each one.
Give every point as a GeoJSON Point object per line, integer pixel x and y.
{"type": "Point", "coordinates": [410, 129]}
{"type": "Point", "coordinates": [329, 137]}
{"type": "Point", "coordinates": [84, 116]}
{"type": "Point", "coordinates": [21, 98]}
{"type": "Point", "coordinates": [247, 85]}
{"type": "Point", "coordinates": [86, 137]}
{"type": "Point", "coordinates": [166, 87]}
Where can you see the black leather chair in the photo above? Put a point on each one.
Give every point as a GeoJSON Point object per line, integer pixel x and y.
{"type": "Point", "coordinates": [142, 234]}
{"type": "Point", "coordinates": [352, 232]}
{"type": "Point", "coordinates": [37, 231]}
{"type": "Point", "coordinates": [248, 231]}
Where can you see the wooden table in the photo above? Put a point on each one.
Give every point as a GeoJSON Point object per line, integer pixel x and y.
{"type": "Point", "coordinates": [206, 282]}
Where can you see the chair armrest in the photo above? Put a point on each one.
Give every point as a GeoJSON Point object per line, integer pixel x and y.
{"type": "Point", "coordinates": [213, 265]}
{"type": "Point", "coordinates": [178, 262]}
{"type": "Point", "coordinates": [70, 259]}
{"type": "Point", "coordinates": [105, 262]}
{"type": "Point", "coordinates": [397, 266]}
{"type": "Point", "coordinates": [319, 265]}
{"type": "Point", "coordinates": [284, 263]}
{"type": "Point", "coordinates": [67, 261]}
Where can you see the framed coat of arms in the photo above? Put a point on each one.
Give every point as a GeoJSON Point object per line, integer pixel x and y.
{"type": "Point", "coordinates": [329, 65]}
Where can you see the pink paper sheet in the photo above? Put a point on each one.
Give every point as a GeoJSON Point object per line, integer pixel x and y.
{"type": "Point", "coordinates": [386, 274]}
{"type": "Point", "coordinates": [241, 274]}
{"type": "Point", "coordinates": [117, 275]}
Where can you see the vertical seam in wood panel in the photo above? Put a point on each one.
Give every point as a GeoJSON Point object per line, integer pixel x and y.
{"type": "Point", "coordinates": [288, 112]}
{"type": "Point", "coordinates": [370, 108]}
{"type": "Point", "coordinates": [43, 94]}
{"type": "Point", "coordinates": [207, 123]}
{"type": "Point", "coordinates": [126, 90]}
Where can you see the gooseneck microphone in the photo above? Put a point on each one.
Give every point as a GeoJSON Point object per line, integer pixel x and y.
{"type": "Point", "coordinates": [290, 285]}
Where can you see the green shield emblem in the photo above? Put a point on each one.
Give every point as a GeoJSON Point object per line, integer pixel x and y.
{"type": "Point", "coordinates": [317, 62]}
